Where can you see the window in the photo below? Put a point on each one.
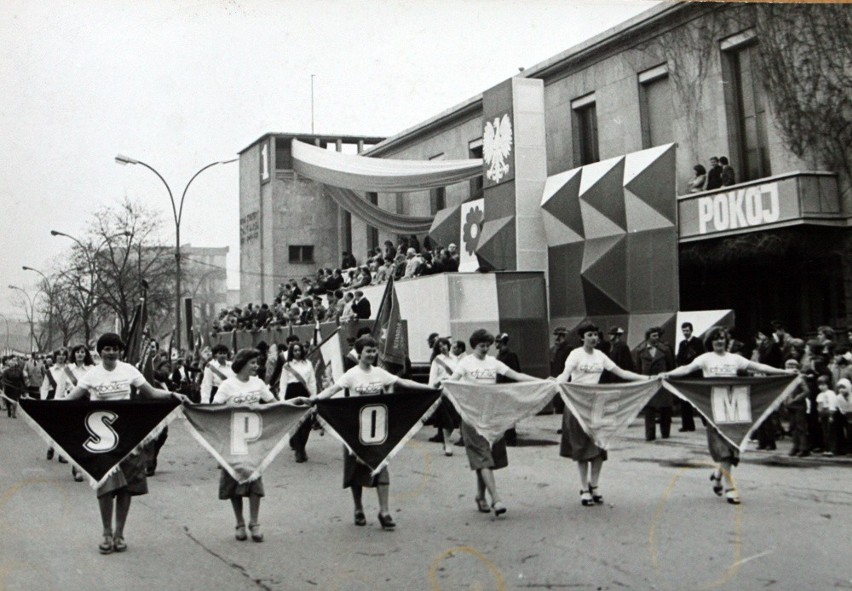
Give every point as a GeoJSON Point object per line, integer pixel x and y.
{"type": "Point", "coordinates": [283, 156]}
{"type": "Point", "coordinates": [585, 130]}
{"type": "Point", "coordinates": [437, 197]}
{"type": "Point", "coordinates": [301, 254]}
{"type": "Point", "coordinates": [474, 150]}
{"type": "Point", "coordinates": [373, 233]}
{"type": "Point", "coordinates": [655, 107]}
{"type": "Point", "coordinates": [749, 111]}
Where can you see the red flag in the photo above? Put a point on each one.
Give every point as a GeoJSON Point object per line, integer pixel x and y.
{"type": "Point", "coordinates": [389, 332]}
{"type": "Point", "coordinates": [135, 341]}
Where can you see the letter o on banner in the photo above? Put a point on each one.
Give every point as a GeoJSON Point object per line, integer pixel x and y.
{"type": "Point", "coordinates": [373, 424]}
{"type": "Point", "coordinates": [103, 437]}
{"type": "Point", "coordinates": [245, 427]}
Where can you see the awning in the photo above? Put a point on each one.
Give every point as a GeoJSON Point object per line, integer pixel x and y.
{"type": "Point", "coordinates": [379, 175]}
{"type": "Point", "coordinates": [376, 216]}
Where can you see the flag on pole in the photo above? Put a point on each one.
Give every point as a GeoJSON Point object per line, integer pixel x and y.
{"type": "Point", "coordinates": [375, 428]}
{"type": "Point", "coordinates": [389, 333]}
{"type": "Point", "coordinates": [604, 411]}
{"type": "Point", "coordinates": [327, 360]}
{"type": "Point", "coordinates": [735, 406]}
{"type": "Point", "coordinates": [244, 439]}
{"type": "Point", "coordinates": [96, 436]}
{"type": "Point", "coordinates": [492, 409]}
{"type": "Point", "coordinates": [135, 338]}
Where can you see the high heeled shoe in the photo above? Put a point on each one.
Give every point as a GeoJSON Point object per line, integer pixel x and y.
{"type": "Point", "coordinates": [482, 505]}
{"type": "Point", "coordinates": [586, 498]}
{"type": "Point", "coordinates": [732, 496]}
{"type": "Point", "coordinates": [118, 544]}
{"type": "Point", "coordinates": [499, 508]}
{"type": "Point", "coordinates": [256, 534]}
{"type": "Point", "coordinates": [106, 546]}
{"type": "Point", "coordinates": [597, 499]}
{"type": "Point", "coordinates": [387, 521]}
{"type": "Point", "coordinates": [240, 533]}
{"type": "Point", "coordinates": [716, 479]}
{"type": "Point", "coordinates": [360, 518]}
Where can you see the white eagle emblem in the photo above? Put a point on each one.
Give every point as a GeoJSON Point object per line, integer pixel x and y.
{"type": "Point", "coordinates": [496, 147]}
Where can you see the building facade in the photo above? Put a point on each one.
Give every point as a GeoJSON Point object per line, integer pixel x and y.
{"type": "Point", "coordinates": [776, 244]}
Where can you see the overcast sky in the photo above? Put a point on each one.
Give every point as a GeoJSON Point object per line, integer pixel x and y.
{"type": "Point", "coordinates": [180, 84]}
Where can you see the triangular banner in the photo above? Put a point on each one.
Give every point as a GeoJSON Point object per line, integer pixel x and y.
{"type": "Point", "coordinates": [244, 439]}
{"type": "Point", "coordinates": [96, 436]}
{"type": "Point", "coordinates": [735, 406]}
{"type": "Point", "coordinates": [604, 411]}
{"type": "Point", "coordinates": [491, 409]}
{"type": "Point", "coordinates": [375, 428]}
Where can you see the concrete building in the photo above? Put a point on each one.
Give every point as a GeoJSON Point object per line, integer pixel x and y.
{"type": "Point", "coordinates": [777, 244]}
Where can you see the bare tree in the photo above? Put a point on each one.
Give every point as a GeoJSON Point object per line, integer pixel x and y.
{"type": "Point", "coordinates": [130, 253]}
{"type": "Point", "coordinates": [806, 63]}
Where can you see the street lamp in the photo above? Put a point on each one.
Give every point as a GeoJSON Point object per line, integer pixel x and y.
{"type": "Point", "coordinates": [89, 303]}
{"type": "Point", "coordinates": [177, 211]}
{"type": "Point", "coordinates": [50, 295]}
{"type": "Point", "coordinates": [30, 316]}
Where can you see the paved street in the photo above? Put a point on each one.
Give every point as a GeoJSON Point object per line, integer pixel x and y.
{"type": "Point", "coordinates": [660, 528]}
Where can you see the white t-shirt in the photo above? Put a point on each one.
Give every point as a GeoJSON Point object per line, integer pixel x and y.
{"type": "Point", "coordinates": [442, 368]}
{"type": "Point", "coordinates": [103, 384]}
{"type": "Point", "coordinates": [713, 365]}
{"type": "Point", "coordinates": [480, 371]}
{"type": "Point", "coordinates": [585, 368]}
{"type": "Point", "coordinates": [826, 401]}
{"type": "Point", "coordinates": [235, 391]}
{"type": "Point", "coordinates": [366, 383]}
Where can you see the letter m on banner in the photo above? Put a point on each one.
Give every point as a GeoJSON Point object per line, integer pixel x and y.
{"type": "Point", "coordinates": [731, 404]}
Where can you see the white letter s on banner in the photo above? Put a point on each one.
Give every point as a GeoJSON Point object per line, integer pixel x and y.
{"type": "Point", "coordinates": [103, 437]}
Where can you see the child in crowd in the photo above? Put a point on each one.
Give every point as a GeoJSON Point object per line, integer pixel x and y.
{"type": "Point", "coordinates": [841, 416]}
{"type": "Point", "coordinates": [799, 406]}
{"type": "Point", "coordinates": [826, 402]}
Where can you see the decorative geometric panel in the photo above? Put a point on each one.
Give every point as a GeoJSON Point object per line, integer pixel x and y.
{"type": "Point", "coordinates": [613, 223]}
{"type": "Point", "coordinates": [446, 226]}
{"type": "Point", "coordinates": [496, 243]}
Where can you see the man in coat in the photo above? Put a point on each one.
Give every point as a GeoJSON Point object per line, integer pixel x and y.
{"type": "Point", "coordinates": [655, 357]}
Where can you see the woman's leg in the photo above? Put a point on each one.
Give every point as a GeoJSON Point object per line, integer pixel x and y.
{"type": "Point", "coordinates": [237, 506]}
{"type": "Point", "coordinates": [105, 504]}
{"type": "Point", "coordinates": [596, 465]}
{"type": "Point", "coordinates": [448, 449]}
{"type": "Point", "coordinates": [122, 508]}
{"type": "Point", "coordinates": [583, 469]}
{"type": "Point", "coordinates": [486, 477]}
{"type": "Point", "coordinates": [383, 492]}
{"type": "Point", "coordinates": [254, 508]}
{"type": "Point", "coordinates": [357, 492]}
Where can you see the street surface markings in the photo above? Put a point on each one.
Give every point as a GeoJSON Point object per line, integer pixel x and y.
{"type": "Point", "coordinates": [734, 567]}
{"type": "Point", "coordinates": [492, 568]}
{"type": "Point", "coordinates": [425, 476]}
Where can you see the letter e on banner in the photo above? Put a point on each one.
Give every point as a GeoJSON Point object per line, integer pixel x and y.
{"type": "Point", "coordinates": [245, 427]}
{"type": "Point", "coordinates": [373, 424]}
{"type": "Point", "coordinates": [731, 404]}
{"type": "Point", "coordinates": [604, 409]}
{"type": "Point", "coordinates": [103, 437]}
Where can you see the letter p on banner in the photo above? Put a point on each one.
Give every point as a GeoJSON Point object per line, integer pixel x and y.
{"type": "Point", "coordinates": [245, 427]}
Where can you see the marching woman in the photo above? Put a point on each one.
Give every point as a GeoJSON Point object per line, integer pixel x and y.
{"type": "Point", "coordinates": [584, 365]}
{"type": "Point", "coordinates": [112, 380]}
{"type": "Point", "coordinates": [364, 380]}
{"type": "Point", "coordinates": [241, 389]}
{"type": "Point", "coordinates": [79, 362]}
{"type": "Point", "coordinates": [53, 385]}
{"type": "Point", "coordinates": [719, 363]}
{"type": "Point", "coordinates": [300, 381]}
{"type": "Point", "coordinates": [442, 368]}
{"type": "Point", "coordinates": [480, 368]}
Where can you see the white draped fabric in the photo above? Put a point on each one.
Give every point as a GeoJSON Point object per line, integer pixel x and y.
{"type": "Point", "coordinates": [379, 175]}
{"type": "Point", "coordinates": [375, 216]}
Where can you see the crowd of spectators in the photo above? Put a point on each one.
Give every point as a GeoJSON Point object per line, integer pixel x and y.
{"type": "Point", "coordinates": [334, 295]}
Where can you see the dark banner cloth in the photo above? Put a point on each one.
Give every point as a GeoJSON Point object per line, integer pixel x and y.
{"type": "Point", "coordinates": [375, 428]}
{"type": "Point", "coordinates": [97, 436]}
